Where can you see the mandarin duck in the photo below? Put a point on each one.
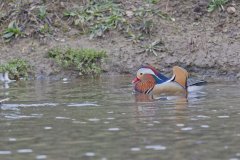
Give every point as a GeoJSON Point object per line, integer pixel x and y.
{"type": "Point", "coordinates": [150, 81]}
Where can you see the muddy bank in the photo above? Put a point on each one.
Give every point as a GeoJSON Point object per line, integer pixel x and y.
{"type": "Point", "coordinates": [206, 44]}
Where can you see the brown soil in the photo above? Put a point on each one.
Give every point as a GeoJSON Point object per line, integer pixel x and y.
{"type": "Point", "coordinates": [206, 44]}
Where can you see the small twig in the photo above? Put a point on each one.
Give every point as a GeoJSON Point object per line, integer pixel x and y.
{"type": "Point", "coordinates": [140, 52]}
{"type": "Point", "coordinates": [2, 6]}
{"type": "Point", "coordinates": [167, 5]}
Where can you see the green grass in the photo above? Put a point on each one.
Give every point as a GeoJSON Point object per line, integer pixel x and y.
{"type": "Point", "coordinates": [42, 14]}
{"type": "Point", "coordinates": [142, 24]}
{"type": "Point", "coordinates": [85, 61]}
{"type": "Point", "coordinates": [153, 48]}
{"type": "Point", "coordinates": [105, 15]}
{"type": "Point", "coordinates": [92, 17]}
{"type": "Point", "coordinates": [24, 21]}
{"type": "Point", "coordinates": [12, 31]}
{"type": "Point", "coordinates": [97, 17]}
{"type": "Point", "coordinates": [152, 1]}
{"type": "Point", "coordinates": [17, 68]}
{"type": "Point", "coordinates": [215, 4]}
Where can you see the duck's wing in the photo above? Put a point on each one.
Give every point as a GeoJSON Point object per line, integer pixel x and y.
{"type": "Point", "coordinates": [170, 87]}
{"type": "Point", "coordinates": [177, 84]}
{"type": "Point", "coordinates": [180, 76]}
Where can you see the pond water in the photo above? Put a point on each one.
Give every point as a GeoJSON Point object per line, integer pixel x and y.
{"type": "Point", "coordinates": [102, 119]}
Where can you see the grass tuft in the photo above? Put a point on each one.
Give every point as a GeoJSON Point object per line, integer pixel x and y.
{"type": "Point", "coordinates": [85, 61]}
{"type": "Point", "coordinates": [97, 17]}
{"type": "Point", "coordinates": [12, 31]}
{"type": "Point", "coordinates": [17, 68]}
{"type": "Point", "coordinates": [214, 4]}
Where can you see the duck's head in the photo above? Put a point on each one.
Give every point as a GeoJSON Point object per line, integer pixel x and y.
{"type": "Point", "coordinates": [144, 83]}
{"type": "Point", "coordinates": [151, 71]}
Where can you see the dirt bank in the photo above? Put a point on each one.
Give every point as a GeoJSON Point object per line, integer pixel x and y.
{"type": "Point", "coordinates": [206, 44]}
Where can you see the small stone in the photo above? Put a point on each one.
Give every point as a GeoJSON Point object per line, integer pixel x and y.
{"type": "Point", "coordinates": [225, 30]}
{"type": "Point", "coordinates": [231, 10]}
{"type": "Point", "coordinates": [197, 9]}
{"type": "Point", "coordinates": [238, 75]}
{"type": "Point", "coordinates": [62, 40]}
{"type": "Point", "coordinates": [129, 14]}
{"type": "Point", "coordinates": [62, 4]}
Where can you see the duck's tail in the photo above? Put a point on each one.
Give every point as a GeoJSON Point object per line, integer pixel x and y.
{"type": "Point", "coordinates": [193, 82]}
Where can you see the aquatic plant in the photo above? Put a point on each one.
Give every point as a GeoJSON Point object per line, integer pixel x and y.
{"type": "Point", "coordinates": [85, 61]}
{"type": "Point", "coordinates": [214, 4]}
{"type": "Point", "coordinates": [17, 68]}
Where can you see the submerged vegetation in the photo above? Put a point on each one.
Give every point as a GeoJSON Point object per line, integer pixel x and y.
{"type": "Point", "coordinates": [85, 61]}
{"type": "Point", "coordinates": [17, 68]}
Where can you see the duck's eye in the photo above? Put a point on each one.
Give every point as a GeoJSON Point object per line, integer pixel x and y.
{"type": "Point", "coordinates": [141, 73]}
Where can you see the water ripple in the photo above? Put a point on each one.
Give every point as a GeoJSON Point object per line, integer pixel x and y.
{"type": "Point", "coordinates": [180, 125]}
{"type": "Point", "coordinates": [205, 126]}
{"type": "Point", "coordinates": [90, 154]}
{"type": "Point", "coordinates": [15, 116]}
{"type": "Point", "coordinates": [156, 147]}
{"type": "Point", "coordinates": [41, 157]}
{"type": "Point", "coordinates": [12, 139]}
{"type": "Point", "coordinates": [94, 119]}
{"type": "Point", "coordinates": [135, 149]}
{"type": "Point", "coordinates": [62, 118]}
{"type": "Point", "coordinates": [186, 129]}
{"type": "Point", "coordinates": [47, 128]}
{"type": "Point", "coordinates": [5, 152]}
{"type": "Point", "coordinates": [24, 151]}
{"type": "Point", "coordinates": [82, 104]}
{"type": "Point", "coordinates": [224, 116]}
{"type": "Point", "coordinates": [114, 129]}
{"type": "Point", "coordinates": [15, 106]}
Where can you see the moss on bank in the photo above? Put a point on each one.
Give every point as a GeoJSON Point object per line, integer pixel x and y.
{"type": "Point", "coordinates": [85, 61]}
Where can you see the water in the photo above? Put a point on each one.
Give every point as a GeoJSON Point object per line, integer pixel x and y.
{"type": "Point", "coordinates": [101, 119]}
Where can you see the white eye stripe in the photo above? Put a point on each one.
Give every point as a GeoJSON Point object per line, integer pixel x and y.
{"type": "Point", "coordinates": [146, 71]}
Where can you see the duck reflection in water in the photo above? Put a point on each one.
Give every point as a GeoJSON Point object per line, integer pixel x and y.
{"type": "Point", "coordinates": [179, 102]}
